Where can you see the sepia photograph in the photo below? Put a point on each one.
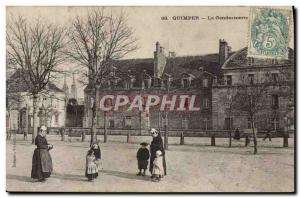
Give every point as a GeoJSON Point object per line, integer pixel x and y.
{"type": "Point", "coordinates": [150, 99]}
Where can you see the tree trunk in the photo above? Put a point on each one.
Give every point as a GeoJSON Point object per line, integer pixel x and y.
{"type": "Point", "coordinates": [140, 114]}
{"type": "Point", "coordinates": [94, 129]}
{"type": "Point", "coordinates": [230, 139]}
{"type": "Point", "coordinates": [166, 132]}
{"type": "Point", "coordinates": [105, 128]}
{"type": "Point", "coordinates": [254, 138]}
{"type": "Point", "coordinates": [285, 136]}
{"type": "Point", "coordinates": [26, 123]}
{"type": "Point", "coordinates": [181, 139]}
{"type": "Point", "coordinates": [34, 133]}
{"type": "Point", "coordinates": [213, 140]}
{"type": "Point", "coordinates": [94, 117]}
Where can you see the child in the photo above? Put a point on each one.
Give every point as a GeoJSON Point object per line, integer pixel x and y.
{"type": "Point", "coordinates": [91, 171]}
{"type": "Point", "coordinates": [97, 152]}
{"type": "Point", "coordinates": [142, 157]}
{"type": "Point", "coordinates": [158, 169]}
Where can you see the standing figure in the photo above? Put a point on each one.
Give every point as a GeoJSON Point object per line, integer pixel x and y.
{"type": "Point", "coordinates": [157, 144]}
{"type": "Point", "coordinates": [268, 135]}
{"type": "Point", "coordinates": [97, 152]}
{"type": "Point", "coordinates": [25, 134]}
{"type": "Point", "coordinates": [91, 171]}
{"type": "Point", "coordinates": [158, 169]}
{"type": "Point", "coordinates": [142, 158]}
{"type": "Point", "coordinates": [237, 135]}
{"type": "Point", "coordinates": [41, 160]}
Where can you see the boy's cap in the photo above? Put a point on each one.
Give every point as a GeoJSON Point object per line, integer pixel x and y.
{"type": "Point", "coordinates": [144, 144]}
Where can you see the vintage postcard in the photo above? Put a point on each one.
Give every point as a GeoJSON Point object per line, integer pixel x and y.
{"type": "Point", "coordinates": [150, 99]}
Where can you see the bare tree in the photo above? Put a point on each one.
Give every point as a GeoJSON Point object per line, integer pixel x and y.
{"type": "Point", "coordinates": [229, 100]}
{"type": "Point", "coordinates": [12, 103]}
{"type": "Point", "coordinates": [35, 48]}
{"type": "Point", "coordinates": [95, 42]}
{"type": "Point", "coordinates": [250, 99]}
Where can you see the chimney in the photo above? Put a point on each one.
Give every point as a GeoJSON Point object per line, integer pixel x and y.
{"type": "Point", "coordinates": [157, 46]}
{"type": "Point", "coordinates": [160, 61]}
{"type": "Point", "coordinates": [161, 50]}
{"type": "Point", "coordinates": [172, 54]}
{"type": "Point", "coordinates": [224, 50]}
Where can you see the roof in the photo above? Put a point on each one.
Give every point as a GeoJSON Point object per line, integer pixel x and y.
{"type": "Point", "coordinates": [239, 59]}
{"type": "Point", "coordinates": [16, 83]}
{"type": "Point", "coordinates": [175, 66]}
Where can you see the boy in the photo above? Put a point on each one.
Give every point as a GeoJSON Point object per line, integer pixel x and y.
{"type": "Point", "coordinates": [142, 156]}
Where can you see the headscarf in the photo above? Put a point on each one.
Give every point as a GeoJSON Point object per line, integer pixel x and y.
{"type": "Point", "coordinates": [97, 151]}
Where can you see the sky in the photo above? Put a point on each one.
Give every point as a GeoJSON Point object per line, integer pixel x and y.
{"type": "Point", "coordinates": [184, 37]}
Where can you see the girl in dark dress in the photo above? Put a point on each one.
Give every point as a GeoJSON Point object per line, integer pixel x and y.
{"type": "Point", "coordinates": [41, 160]}
{"type": "Point", "coordinates": [157, 144]}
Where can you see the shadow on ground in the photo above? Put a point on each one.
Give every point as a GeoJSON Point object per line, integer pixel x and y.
{"type": "Point", "coordinates": [126, 175]}
{"type": "Point", "coordinates": [69, 177]}
{"type": "Point", "coordinates": [19, 178]}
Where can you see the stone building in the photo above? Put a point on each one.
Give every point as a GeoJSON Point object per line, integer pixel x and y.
{"type": "Point", "coordinates": [19, 105]}
{"type": "Point", "coordinates": [213, 78]}
{"type": "Point", "coordinates": [278, 100]}
{"type": "Point", "coordinates": [162, 74]}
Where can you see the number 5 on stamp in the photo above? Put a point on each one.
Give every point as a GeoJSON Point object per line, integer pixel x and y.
{"type": "Point", "coordinates": [269, 32]}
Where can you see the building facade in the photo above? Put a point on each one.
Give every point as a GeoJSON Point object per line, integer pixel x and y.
{"type": "Point", "coordinates": [163, 74]}
{"type": "Point", "coordinates": [19, 114]}
{"type": "Point", "coordinates": [213, 78]}
{"type": "Point", "coordinates": [275, 76]}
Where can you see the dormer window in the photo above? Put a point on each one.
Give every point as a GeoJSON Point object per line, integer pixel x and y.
{"type": "Point", "coordinates": [186, 83]}
{"type": "Point", "coordinates": [229, 80]}
{"type": "Point", "coordinates": [274, 61]}
{"type": "Point", "coordinates": [132, 81]}
{"type": "Point", "coordinates": [205, 82]}
{"type": "Point", "coordinates": [147, 80]}
{"type": "Point", "coordinates": [112, 84]}
{"type": "Point", "coordinates": [127, 85]}
{"type": "Point", "coordinates": [165, 83]}
{"type": "Point", "coordinates": [147, 83]}
{"type": "Point", "coordinates": [250, 60]}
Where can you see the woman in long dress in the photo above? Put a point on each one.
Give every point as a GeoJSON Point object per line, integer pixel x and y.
{"type": "Point", "coordinates": [41, 160]}
{"type": "Point", "coordinates": [157, 144]}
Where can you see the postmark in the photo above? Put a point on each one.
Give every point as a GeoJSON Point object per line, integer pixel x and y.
{"type": "Point", "coordinates": [269, 32]}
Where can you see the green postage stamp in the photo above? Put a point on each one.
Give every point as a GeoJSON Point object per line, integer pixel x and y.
{"type": "Point", "coordinates": [269, 33]}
